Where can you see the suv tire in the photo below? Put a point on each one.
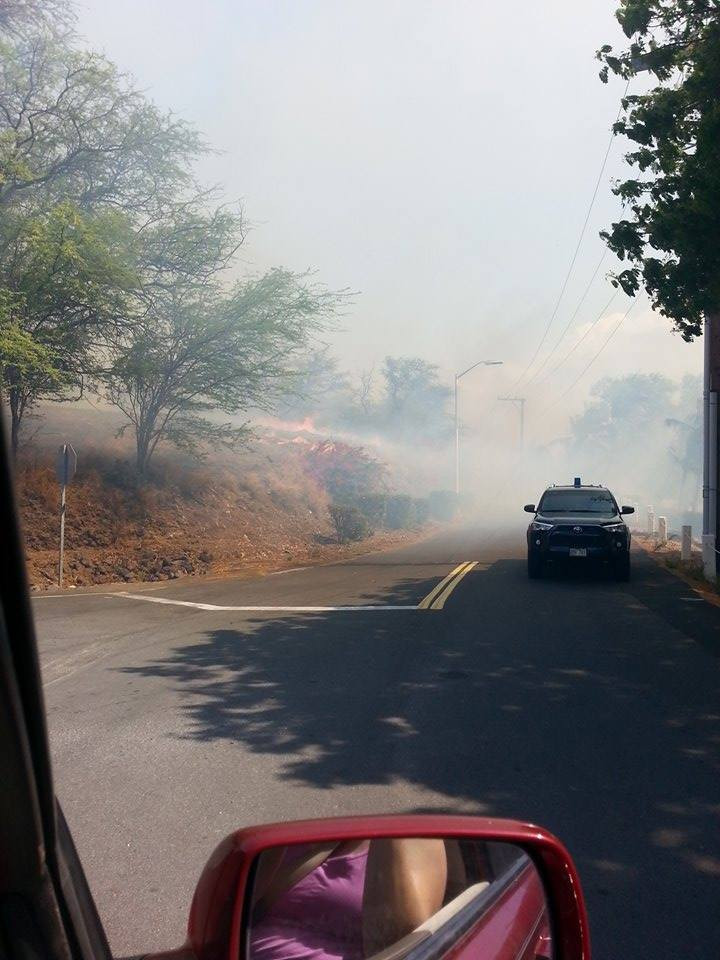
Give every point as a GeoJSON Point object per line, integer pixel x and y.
{"type": "Point", "coordinates": [534, 567]}
{"type": "Point", "coordinates": [622, 569]}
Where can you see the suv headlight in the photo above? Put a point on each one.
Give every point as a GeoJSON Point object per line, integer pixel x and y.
{"type": "Point", "coordinates": [616, 528]}
{"type": "Point", "coordinates": [540, 525]}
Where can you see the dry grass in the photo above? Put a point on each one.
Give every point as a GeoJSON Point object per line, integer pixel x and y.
{"type": "Point", "coordinates": [256, 508]}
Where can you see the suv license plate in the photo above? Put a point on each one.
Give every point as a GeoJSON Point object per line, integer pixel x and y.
{"type": "Point", "coordinates": [578, 552]}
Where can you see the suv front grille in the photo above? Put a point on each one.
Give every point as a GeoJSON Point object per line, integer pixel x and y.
{"type": "Point", "coordinates": [567, 536]}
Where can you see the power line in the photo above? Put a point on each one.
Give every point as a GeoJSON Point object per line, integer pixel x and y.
{"type": "Point", "coordinates": [592, 361]}
{"type": "Point", "coordinates": [575, 312]}
{"type": "Point", "coordinates": [577, 343]}
{"type": "Point", "coordinates": [577, 245]}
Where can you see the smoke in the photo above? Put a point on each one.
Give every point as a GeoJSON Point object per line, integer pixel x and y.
{"type": "Point", "coordinates": [638, 434]}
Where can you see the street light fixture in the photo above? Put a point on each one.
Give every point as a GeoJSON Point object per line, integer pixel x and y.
{"type": "Point", "coordinates": [458, 377]}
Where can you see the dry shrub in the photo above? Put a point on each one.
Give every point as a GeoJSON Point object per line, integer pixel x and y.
{"type": "Point", "coordinates": [240, 507]}
{"type": "Point", "coordinates": [251, 485]}
{"type": "Point", "coordinates": [39, 484]}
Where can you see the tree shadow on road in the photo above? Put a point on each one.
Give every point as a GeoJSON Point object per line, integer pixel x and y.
{"type": "Point", "coordinates": [610, 736]}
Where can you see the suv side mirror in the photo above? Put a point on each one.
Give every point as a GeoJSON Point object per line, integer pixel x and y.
{"type": "Point", "coordinates": [529, 508]}
{"type": "Point", "coordinates": [483, 880]}
{"type": "Point", "coordinates": [627, 509]}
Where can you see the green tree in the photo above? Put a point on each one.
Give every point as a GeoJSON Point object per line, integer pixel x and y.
{"type": "Point", "coordinates": [671, 224]}
{"type": "Point", "coordinates": [199, 351]}
{"type": "Point", "coordinates": [686, 425]}
{"type": "Point", "coordinates": [635, 399]}
{"type": "Point", "coordinates": [318, 387]}
{"type": "Point", "coordinates": [65, 274]}
{"type": "Point", "coordinates": [73, 127]}
{"type": "Point", "coordinates": [348, 473]}
{"type": "Point", "coordinates": [415, 401]}
{"type": "Point", "coordinates": [619, 407]}
{"type": "Point", "coordinates": [86, 161]}
{"type": "Point", "coordinates": [641, 431]}
{"type": "Point", "coordinates": [22, 361]}
{"type": "Point", "coordinates": [20, 17]}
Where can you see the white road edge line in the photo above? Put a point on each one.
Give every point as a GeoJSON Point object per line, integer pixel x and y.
{"type": "Point", "coordinates": [256, 608]}
{"type": "Point", "coordinates": [63, 596]}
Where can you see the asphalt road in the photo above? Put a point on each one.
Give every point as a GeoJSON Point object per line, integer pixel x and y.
{"type": "Point", "coordinates": [588, 706]}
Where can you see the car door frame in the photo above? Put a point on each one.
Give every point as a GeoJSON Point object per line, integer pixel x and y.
{"type": "Point", "coordinates": [46, 907]}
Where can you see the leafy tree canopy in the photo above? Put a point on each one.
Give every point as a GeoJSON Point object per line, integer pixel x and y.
{"type": "Point", "coordinates": [21, 17]}
{"type": "Point", "coordinates": [670, 231]}
{"type": "Point", "coordinates": [65, 273]}
{"type": "Point", "coordinates": [203, 350]}
{"type": "Point", "coordinates": [88, 167]}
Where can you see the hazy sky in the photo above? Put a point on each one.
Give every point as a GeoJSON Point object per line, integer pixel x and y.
{"type": "Point", "coordinates": [437, 157]}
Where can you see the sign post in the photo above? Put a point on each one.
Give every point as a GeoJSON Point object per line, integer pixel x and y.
{"type": "Point", "coordinates": [65, 467]}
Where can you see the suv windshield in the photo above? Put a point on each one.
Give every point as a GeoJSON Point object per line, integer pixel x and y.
{"type": "Point", "coordinates": [578, 501]}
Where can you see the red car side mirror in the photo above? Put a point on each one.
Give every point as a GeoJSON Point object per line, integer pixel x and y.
{"type": "Point", "coordinates": [417, 887]}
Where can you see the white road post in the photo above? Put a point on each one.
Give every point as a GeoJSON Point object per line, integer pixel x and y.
{"type": "Point", "coordinates": [650, 521]}
{"type": "Point", "coordinates": [662, 529]}
{"type": "Point", "coordinates": [686, 543]}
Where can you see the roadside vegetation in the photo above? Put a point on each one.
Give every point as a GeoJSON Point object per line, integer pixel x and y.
{"type": "Point", "coordinates": [645, 431]}
{"type": "Point", "coordinates": [118, 268]}
{"type": "Point", "coordinates": [121, 285]}
{"type": "Point", "coordinates": [281, 501]}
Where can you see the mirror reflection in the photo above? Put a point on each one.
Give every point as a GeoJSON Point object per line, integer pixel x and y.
{"type": "Point", "coordinates": [397, 898]}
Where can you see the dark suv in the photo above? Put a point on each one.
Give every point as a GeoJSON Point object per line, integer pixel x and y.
{"type": "Point", "coordinates": [578, 523]}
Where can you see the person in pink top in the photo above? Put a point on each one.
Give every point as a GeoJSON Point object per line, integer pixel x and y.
{"type": "Point", "coordinates": [344, 902]}
{"type": "Point", "coordinates": [320, 916]}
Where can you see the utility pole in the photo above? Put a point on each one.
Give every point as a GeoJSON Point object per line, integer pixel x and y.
{"type": "Point", "coordinates": [519, 402]}
{"type": "Point", "coordinates": [711, 386]}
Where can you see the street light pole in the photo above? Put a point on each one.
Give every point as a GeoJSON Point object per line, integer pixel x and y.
{"type": "Point", "coordinates": [458, 376]}
{"type": "Point", "coordinates": [457, 441]}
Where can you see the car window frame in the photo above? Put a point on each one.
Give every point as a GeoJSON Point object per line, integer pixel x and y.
{"type": "Point", "coordinates": [45, 900]}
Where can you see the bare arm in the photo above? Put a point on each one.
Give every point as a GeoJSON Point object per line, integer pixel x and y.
{"type": "Point", "coordinates": [404, 885]}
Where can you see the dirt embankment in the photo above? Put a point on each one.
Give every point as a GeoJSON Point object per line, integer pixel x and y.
{"type": "Point", "coordinates": [255, 510]}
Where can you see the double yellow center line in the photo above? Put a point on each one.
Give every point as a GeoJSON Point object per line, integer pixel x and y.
{"type": "Point", "coordinates": [435, 600]}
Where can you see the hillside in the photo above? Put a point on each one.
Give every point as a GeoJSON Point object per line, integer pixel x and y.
{"type": "Point", "coordinates": [262, 507]}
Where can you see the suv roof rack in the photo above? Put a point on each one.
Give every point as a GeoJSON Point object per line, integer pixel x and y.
{"type": "Point", "coordinates": [583, 486]}
{"type": "Point", "coordinates": [593, 486]}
